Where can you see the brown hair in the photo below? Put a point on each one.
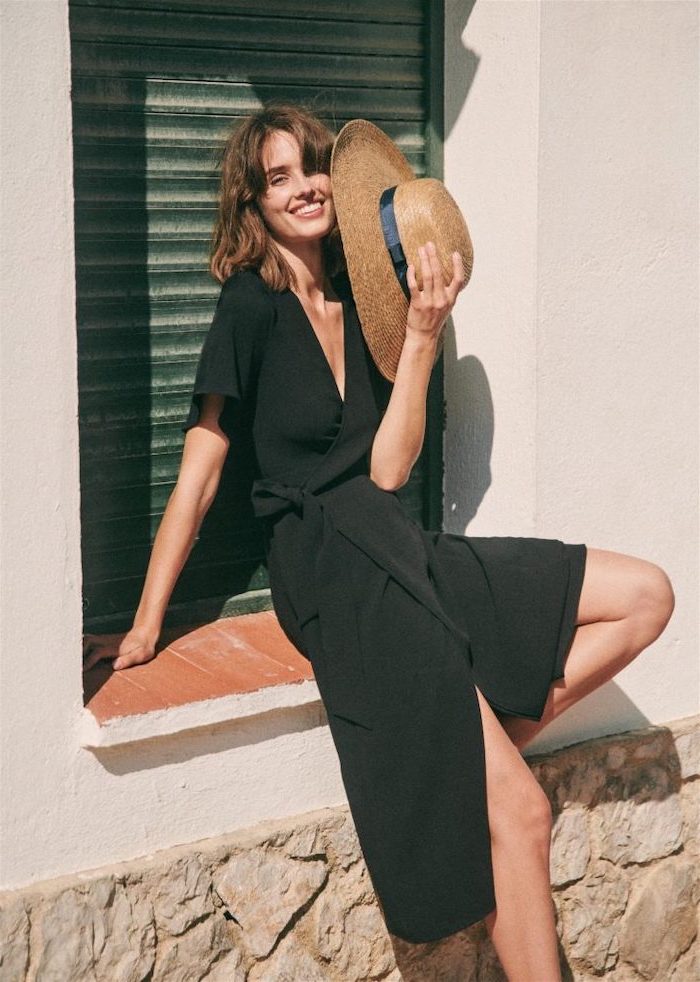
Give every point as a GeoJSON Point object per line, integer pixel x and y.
{"type": "Point", "coordinates": [240, 238]}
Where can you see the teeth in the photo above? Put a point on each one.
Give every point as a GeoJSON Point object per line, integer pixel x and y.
{"type": "Point", "coordinates": [308, 208]}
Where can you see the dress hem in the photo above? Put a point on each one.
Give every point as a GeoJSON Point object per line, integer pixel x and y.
{"type": "Point", "coordinates": [513, 712]}
{"type": "Point", "coordinates": [577, 566]}
{"type": "Point", "coordinates": [454, 927]}
{"type": "Point", "coordinates": [577, 554]}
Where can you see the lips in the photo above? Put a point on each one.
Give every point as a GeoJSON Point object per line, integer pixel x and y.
{"type": "Point", "coordinates": [302, 213]}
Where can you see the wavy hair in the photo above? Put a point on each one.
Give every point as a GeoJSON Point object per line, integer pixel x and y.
{"type": "Point", "coordinates": [240, 238]}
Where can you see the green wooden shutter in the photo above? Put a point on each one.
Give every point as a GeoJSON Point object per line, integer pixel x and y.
{"type": "Point", "coordinates": [156, 85]}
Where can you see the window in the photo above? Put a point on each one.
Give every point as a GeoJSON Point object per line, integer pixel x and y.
{"type": "Point", "coordinates": [156, 85]}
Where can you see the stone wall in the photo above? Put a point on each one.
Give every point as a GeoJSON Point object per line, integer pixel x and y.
{"type": "Point", "coordinates": [294, 903]}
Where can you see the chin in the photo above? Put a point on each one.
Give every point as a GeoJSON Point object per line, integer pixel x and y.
{"type": "Point", "coordinates": [315, 235]}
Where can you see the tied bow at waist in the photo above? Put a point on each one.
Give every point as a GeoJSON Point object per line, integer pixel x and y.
{"type": "Point", "coordinates": [304, 545]}
{"type": "Point", "coordinates": [374, 521]}
{"type": "Point", "coordinates": [272, 497]}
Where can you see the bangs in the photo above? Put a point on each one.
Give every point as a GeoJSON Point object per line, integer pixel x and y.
{"type": "Point", "coordinates": [315, 149]}
{"type": "Point", "coordinates": [316, 145]}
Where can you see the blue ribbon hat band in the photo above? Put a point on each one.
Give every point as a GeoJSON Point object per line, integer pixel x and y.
{"type": "Point", "coordinates": [392, 239]}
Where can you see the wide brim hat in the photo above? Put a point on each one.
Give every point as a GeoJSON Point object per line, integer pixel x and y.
{"type": "Point", "coordinates": [384, 214]}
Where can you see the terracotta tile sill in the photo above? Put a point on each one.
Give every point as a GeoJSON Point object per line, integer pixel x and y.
{"type": "Point", "coordinates": [233, 668]}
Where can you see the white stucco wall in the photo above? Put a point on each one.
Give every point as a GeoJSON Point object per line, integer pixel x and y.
{"type": "Point", "coordinates": [557, 335]}
{"type": "Point", "coordinates": [572, 379]}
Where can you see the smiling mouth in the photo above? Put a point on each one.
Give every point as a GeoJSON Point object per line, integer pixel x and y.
{"type": "Point", "coordinates": [309, 211]}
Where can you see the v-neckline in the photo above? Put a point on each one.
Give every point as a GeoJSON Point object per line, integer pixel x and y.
{"type": "Point", "coordinates": [342, 399]}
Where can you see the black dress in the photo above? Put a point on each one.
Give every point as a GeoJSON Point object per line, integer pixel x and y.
{"type": "Point", "coordinates": [399, 623]}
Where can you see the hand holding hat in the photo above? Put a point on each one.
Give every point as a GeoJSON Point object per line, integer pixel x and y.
{"type": "Point", "coordinates": [384, 214]}
{"type": "Point", "coordinates": [432, 301]}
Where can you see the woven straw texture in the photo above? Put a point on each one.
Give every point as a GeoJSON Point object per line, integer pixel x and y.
{"type": "Point", "coordinates": [364, 162]}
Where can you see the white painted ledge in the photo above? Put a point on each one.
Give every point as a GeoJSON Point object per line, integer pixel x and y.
{"type": "Point", "coordinates": [121, 730]}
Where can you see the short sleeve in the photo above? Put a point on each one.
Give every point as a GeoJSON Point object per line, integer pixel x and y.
{"type": "Point", "coordinates": [233, 349]}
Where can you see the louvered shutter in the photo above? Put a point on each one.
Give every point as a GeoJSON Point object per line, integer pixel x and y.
{"type": "Point", "coordinates": [156, 85]}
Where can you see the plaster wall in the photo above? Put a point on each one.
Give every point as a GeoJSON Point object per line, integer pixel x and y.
{"type": "Point", "coordinates": [64, 808]}
{"type": "Point", "coordinates": [571, 145]}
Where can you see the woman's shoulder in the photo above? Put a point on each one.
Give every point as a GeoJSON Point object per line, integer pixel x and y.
{"type": "Point", "coordinates": [246, 279]}
{"type": "Point", "coordinates": [246, 287]}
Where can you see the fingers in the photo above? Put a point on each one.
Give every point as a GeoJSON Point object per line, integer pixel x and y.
{"type": "Point", "coordinates": [129, 652]}
{"type": "Point", "coordinates": [436, 269]}
{"type": "Point", "coordinates": [432, 274]}
{"type": "Point", "coordinates": [426, 271]}
{"type": "Point", "coordinates": [435, 297]}
{"type": "Point", "coordinates": [411, 281]}
{"type": "Point", "coordinates": [459, 279]}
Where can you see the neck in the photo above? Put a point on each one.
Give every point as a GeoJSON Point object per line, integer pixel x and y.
{"type": "Point", "coordinates": [307, 262]}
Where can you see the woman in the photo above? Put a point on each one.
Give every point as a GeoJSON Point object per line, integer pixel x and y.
{"type": "Point", "coordinates": [437, 656]}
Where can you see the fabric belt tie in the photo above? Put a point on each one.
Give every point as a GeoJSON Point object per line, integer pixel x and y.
{"type": "Point", "coordinates": [380, 525]}
{"type": "Point", "coordinates": [272, 499]}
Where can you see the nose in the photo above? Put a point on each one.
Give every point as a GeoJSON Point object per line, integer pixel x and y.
{"type": "Point", "coordinates": [304, 186]}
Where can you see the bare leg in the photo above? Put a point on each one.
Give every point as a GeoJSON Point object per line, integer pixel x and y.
{"type": "Point", "coordinates": [625, 604]}
{"type": "Point", "coordinates": [523, 926]}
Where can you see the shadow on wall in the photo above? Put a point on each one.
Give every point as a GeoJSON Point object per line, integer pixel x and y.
{"type": "Point", "coordinates": [471, 431]}
{"type": "Point", "coordinates": [462, 78]}
{"type": "Point", "coordinates": [606, 710]}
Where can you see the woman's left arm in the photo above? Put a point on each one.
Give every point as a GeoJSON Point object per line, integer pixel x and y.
{"type": "Point", "coordinates": [399, 438]}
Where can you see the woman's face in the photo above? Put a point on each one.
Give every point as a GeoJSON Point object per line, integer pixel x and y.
{"type": "Point", "coordinates": [296, 207]}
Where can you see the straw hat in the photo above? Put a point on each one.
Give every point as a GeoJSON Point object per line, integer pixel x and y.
{"type": "Point", "coordinates": [384, 214]}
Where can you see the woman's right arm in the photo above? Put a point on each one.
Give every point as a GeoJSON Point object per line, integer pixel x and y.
{"type": "Point", "coordinates": [203, 456]}
{"type": "Point", "coordinates": [399, 438]}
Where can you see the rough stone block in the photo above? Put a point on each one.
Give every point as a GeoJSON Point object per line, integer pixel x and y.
{"type": "Point", "coordinates": [264, 890]}
{"type": "Point", "coordinates": [591, 913]}
{"type": "Point", "coordinates": [661, 920]}
{"type": "Point", "coordinates": [571, 848]}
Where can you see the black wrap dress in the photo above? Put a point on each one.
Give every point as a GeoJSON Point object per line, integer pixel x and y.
{"type": "Point", "coordinates": [399, 623]}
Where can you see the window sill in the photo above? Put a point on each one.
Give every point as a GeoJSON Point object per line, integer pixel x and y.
{"type": "Point", "coordinates": [231, 669]}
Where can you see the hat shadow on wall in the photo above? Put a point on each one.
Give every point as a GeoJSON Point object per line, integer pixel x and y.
{"type": "Point", "coordinates": [462, 73]}
{"type": "Point", "coordinates": [469, 430]}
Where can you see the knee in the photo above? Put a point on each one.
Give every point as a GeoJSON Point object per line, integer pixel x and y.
{"type": "Point", "coordinates": [655, 601]}
{"type": "Point", "coordinates": [527, 818]}
{"type": "Point", "coordinates": [539, 816]}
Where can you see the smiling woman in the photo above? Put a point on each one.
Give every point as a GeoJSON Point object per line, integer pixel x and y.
{"type": "Point", "coordinates": [275, 169]}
